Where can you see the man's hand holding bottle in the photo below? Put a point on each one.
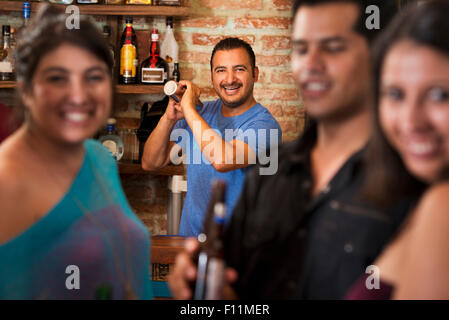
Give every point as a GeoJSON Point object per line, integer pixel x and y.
{"type": "Point", "coordinates": [184, 274]}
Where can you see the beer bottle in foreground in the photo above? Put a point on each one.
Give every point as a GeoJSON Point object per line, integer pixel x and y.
{"type": "Point", "coordinates": [211, 264]}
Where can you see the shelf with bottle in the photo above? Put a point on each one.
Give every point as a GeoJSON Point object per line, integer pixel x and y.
{"type": "Point", "coordinates": [119, 88]}
{"type": "Point", "coordinates": [129, 167]}
{"type": "Point", "coordinates": [108, 10]}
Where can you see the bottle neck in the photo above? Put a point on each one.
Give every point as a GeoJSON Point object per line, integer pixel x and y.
{"type": "Point", "coordinates": [6, 41]}
{"type": "Point", "coordinates": [128, 37]}
{"type": "Point", "coordinates": [111, 128]}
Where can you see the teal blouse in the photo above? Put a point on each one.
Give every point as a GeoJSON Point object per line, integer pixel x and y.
{"type": "Point", "coordinates": [90, 244]}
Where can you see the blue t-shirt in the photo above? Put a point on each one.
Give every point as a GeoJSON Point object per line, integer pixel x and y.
{"type": "Point", "coordinates": [254, 127]}
{"type": "Point", "coordinates": [90, 235]}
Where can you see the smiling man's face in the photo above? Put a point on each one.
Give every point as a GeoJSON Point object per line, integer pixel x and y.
{"type": "Point", "coordinates": [330, 60]}
{"type": "Point", "coordinates": [232, 77]}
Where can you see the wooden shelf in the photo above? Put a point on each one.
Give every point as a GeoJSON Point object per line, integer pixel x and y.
{"type": "Point", "coordinates": [136, 168]}
{"type": "Point", "coordinates": [7, 84]}
{"type": "Point", "coordinates": [120, 88]}
{"type": "Point", "coordinates": [139, 89]}
{"type": "Point", "coordinates": [107, 10]}
{"type": "Point", "coordinates": [164, 249]}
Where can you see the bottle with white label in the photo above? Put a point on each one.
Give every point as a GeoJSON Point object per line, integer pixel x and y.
{"type": "Point", "coordinates": [154, 69]}
{"type": "Point", "coordinates": [112, 141]}
{"type": "Point", "coordinates": [6, 56]}
{"type": "Point", "coordinates": [170, 48]}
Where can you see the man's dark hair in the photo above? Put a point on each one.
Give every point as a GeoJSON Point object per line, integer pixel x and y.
{"type": "Point", "coordinates": [388, 9]}
{"type": "Point", "coordinates": [234, 43]}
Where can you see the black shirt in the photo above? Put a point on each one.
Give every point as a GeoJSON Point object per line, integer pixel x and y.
{"type": "Point", "coordinates": [287, 245]}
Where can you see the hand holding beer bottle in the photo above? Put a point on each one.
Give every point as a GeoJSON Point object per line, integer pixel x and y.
{"type": "Point", "coordinates": [202, 264]}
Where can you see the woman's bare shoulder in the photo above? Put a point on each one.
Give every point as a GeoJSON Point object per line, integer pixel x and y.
{"type": "Point", "coordinates": [432, 212]}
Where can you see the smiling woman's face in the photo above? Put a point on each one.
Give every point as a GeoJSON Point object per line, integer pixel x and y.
{"type": "Point", "coordinates": [414, 107]}
{"type": "Point", "coordinates": [70, 95]}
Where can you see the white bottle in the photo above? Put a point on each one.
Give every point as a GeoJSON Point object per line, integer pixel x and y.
{"type": "Point", "coordinates": [169, 48]}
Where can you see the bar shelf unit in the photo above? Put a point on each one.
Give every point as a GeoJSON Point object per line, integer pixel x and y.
{"type": "Point", "coordinates": [107, 10]}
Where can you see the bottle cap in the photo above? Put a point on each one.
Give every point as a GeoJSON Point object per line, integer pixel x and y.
{"type": "Point", "coordinates": [154, 35]}
{"type": "Point", "coordinates": [129, 20]}
{"type": "Point", "coordinates": [6, 30]}
{"type": "Point", "coordinates": [169, 22]}
{"type": "Point", "coordinates": [111, 121]}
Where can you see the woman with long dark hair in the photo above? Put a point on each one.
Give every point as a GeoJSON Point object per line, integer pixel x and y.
{"type": "Point", "coordinates": [410, 150]}
{"type": "Point", "coordinates": [66, 229]}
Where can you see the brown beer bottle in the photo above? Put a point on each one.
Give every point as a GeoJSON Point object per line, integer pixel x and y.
{"type": "Point", "coordinates": [211, 264]}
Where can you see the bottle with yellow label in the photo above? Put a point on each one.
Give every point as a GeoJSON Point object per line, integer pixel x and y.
{"type": "Point", "coordinates": [128, 56]}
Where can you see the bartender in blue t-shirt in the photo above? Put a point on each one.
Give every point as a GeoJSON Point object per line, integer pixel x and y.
{"type": "Point", "coordinates": [220, 139]}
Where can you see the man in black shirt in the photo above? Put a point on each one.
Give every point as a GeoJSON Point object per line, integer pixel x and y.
{"type": "Point", "coordinates": [304, 233]}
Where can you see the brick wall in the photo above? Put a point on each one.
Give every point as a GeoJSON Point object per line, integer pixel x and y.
{"type": "Point", "coordinates": [265, 24]}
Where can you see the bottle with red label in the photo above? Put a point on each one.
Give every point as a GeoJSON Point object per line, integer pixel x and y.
{"type": "Point", "coordinates": [154, 69]}
{"type": "Point", "coordinates": [128, 55]}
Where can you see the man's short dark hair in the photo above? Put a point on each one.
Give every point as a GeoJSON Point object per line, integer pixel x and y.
{"type": "Point", "coordinates": [234, 43]}
{"type": "Point", "coordinates": [388, 9]}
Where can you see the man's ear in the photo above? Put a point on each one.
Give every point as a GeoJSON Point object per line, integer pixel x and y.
{"type": "Point", "coordinates": [256, 74]}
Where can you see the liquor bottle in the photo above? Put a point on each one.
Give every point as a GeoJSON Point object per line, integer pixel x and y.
{"type": "Point", "coordinates": [154, 69]}
{"type": "Point", "coordinates": [26, 14]}
{"type": "Point", "coordinates": [112, 141]}
{"type": "Point", "coordinates": [169, 47]}
{"type": "Point", "coordinates": [107, 36]}
{"type": "Point", "coordinates": [6, 56]}
{"type": "Point", "coordinates": [129, 22]}
{"type": "Point", "coordinates": [211, 265]}
{"type": "Point", "coordinates": [176, 76]}
{"type": "Point", "coordinates": [128, 55]}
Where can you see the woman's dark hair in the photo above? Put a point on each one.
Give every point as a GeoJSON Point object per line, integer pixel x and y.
{"type": "Point", "coordinates": [46, 32]}
{"type": "Point", "coordinates": [428, 25]}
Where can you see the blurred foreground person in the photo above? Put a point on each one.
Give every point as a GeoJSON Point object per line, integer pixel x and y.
{"type": "Point", "coordinates": [412, 134]}
{"type": "Point", "coordinates": [66, 229]}
{"type": "Point", "coordinates": [303, 233]}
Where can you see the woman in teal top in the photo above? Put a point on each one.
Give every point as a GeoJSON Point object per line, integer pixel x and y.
{"type": "Point", "coordinates": [66, 228]}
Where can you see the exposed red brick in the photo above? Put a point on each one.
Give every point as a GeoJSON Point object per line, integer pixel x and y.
{"type": "Point", "coordinates": [288, 126]}
{"type": "Point", "coordinates": [211, 40]}
{"type": "Point", "coordinates": [195, 57]}
{"type": "Point", "coordinates": [276, 42]}
{"type": "Point", "coordinates": [282, 5]}
{"type": "Point", "coordinates": [273, 61]}
{"type": "Point", "coordinates": [275, 110]}
{"type": "Point", "coordinates": [262, 23]}
{"type": "Point", "coordinates": [293, 111]}
{"type": "Point", "coordinates": [282, 77]}
{"type": "Point", "coordinates": [276, 94]}
{"type": "Point", "coordinates": [203, 22]}
{"type": "Point", "coordinates": [139, 192]}
{"type": "Point", "coordinates": [231, 4]}
{"type": "Point", "coordinates": [187, 73]}
{"type": "Point", "coordinates": [208, 93]}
